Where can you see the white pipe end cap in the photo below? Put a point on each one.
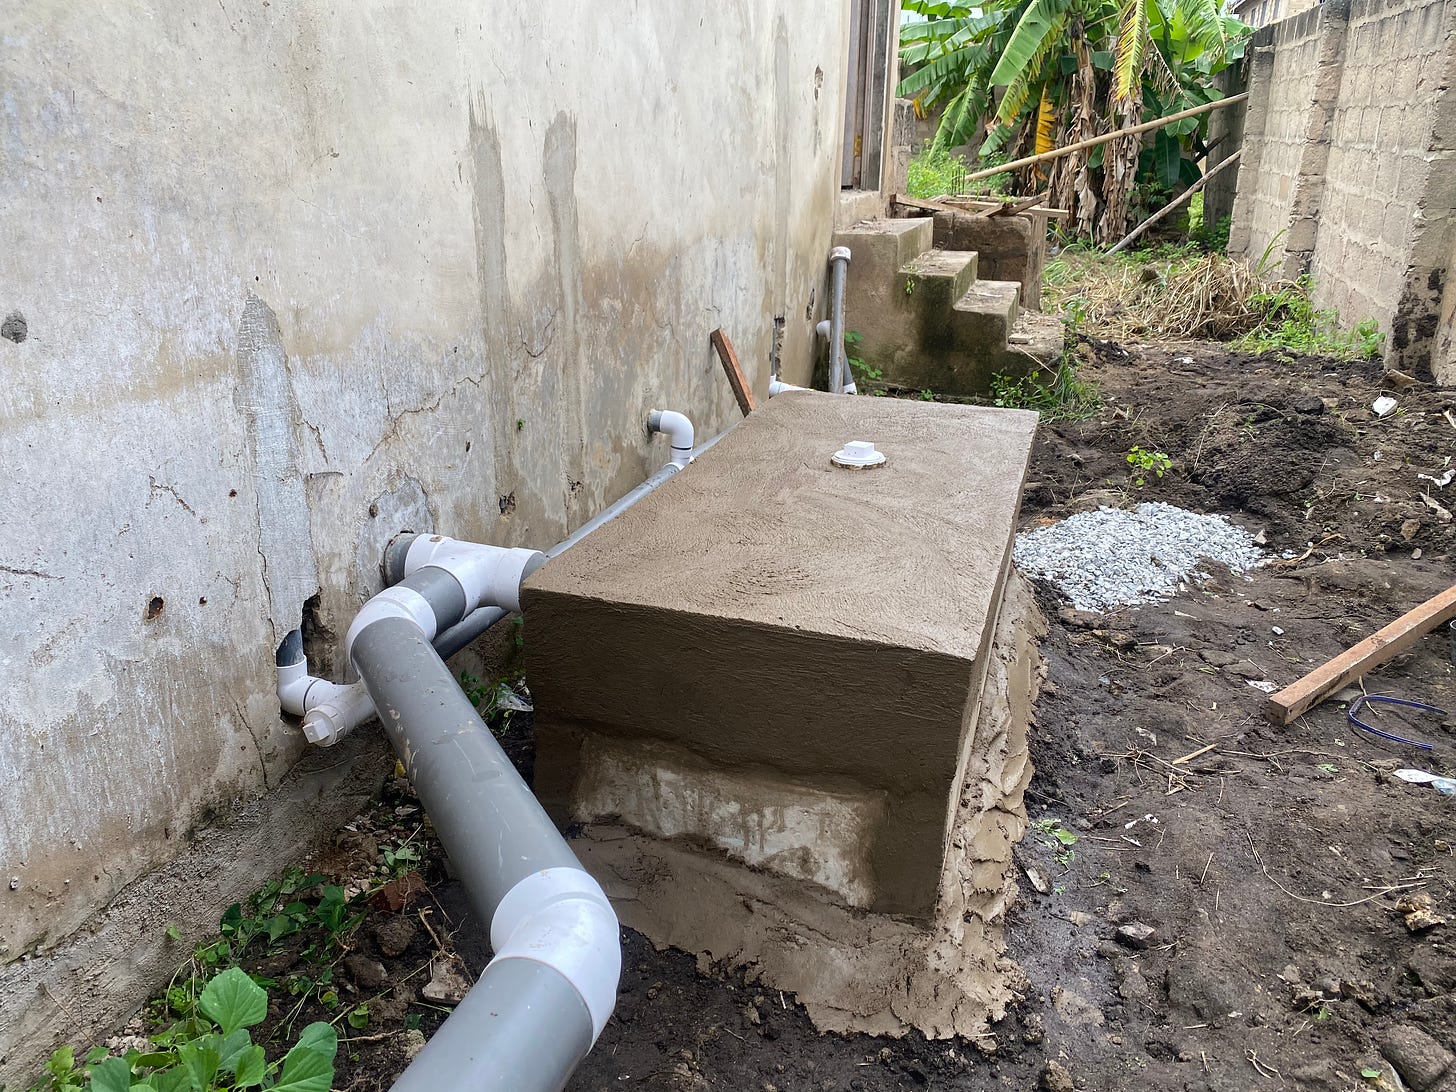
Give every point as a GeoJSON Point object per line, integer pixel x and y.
{"type": "Point", "coordinates": [858, 455]}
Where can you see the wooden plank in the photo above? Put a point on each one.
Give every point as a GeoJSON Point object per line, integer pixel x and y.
{"type": "Point", "coordinates": [1405, 631]}
{"type": "Point", "coordinates": [736, 379]}
{"type": "Point", "coordinates": [1011, 208]}
{"type": "Point", "coordinates": [969, 204]}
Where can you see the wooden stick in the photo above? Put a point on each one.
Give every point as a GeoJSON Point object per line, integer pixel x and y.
{"type": "Point", "coordinates": [1011, 208]}
{"type": "Point", "coordinates": [1178, 202]}
{"type": "Point", "coordinates": [1092, 142]}
{"type": "Point", "coordinates": [1405, 631]}
{"type": "Point", "coordinates": [736, 379]}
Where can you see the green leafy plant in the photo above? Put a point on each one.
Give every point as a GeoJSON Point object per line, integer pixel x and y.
{"type": "Point", "coordinates": [211, 1050]}
{"type": "Point", "coordinates": [1144, 462]}
{"type": "Point", "coordinates": [1058, 394]}
{"type": "Point", "coordinates": [1291, 323]}
{"type": "Point", "coordinates": [1058, 838]}
{"type": "Point", "coordinates": [865, 375]}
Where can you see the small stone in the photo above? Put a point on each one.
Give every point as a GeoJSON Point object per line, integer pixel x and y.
{"type": "Point", "coordinates": [1276, 631]}
{"type": "Point", "coordinates": [1055, 1078]}
{"type": "Point", "coordinates": [414, 1042]}
{"type": "Point", "coordinates": [1420, 912]}
{"type": "Point", "coordinates": [1038, 882]}
{"type": "Point", "coordinates": [1409, 529]}
{"type": "Point", "coordinates": [1134, 934]}
{"type": "Point", "coordinates": [1216, 657]}
{"type": "Point", "coordinates": [750, 1014]}
{"type": "Point", "coordinates": [393, 935]}
{"type": "Point", "coordinates": [448, 984]}
{"type": "Point", "coordinates": [368, 974]}
{"type": "Point", "coordinates": [1419, 1059]}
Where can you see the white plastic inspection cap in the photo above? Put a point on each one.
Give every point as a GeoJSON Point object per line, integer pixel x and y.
{"type": "Point", "coordinates": [858, 455]}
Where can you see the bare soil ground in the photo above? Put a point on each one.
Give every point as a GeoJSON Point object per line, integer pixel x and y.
{"type": "Point", "coordinates": [1269, 862]}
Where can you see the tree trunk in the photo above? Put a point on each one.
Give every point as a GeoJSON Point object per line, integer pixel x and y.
{"type": "Point", "coordinates": [1119, 168]}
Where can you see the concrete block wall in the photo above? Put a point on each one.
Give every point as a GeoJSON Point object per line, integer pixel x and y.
{"type": "Point", "coordinates": [1347, 144]}
{"type": "Point", "coordinates": [279, 281]}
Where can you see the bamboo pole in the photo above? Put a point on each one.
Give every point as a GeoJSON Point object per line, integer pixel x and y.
{"type": "Point", "coordinates": [1092, 142]}
{"type": "Point", "coordinates": [1171, 205]}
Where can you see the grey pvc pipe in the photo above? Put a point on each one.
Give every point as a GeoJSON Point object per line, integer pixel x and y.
{"type": "Point", "coordinates": [838, 269]}
{"type": "Point", "coordinates": [485, 1046]}
{"type": "Point", "coordinates": [496, 834]}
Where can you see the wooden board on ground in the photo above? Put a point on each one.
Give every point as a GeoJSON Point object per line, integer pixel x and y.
{"type": "Point", "coordinates": [736, 379]}
{"type": "Point", "coordinates": [1405, 631]}
{"type": "Point", "coordinates": [977, 205]}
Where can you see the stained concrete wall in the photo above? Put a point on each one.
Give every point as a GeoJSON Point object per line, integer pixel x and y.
{"type": "Point", "coordinates": [279, 281]}
{"type": "Point", "coordinates": [1347, 140]}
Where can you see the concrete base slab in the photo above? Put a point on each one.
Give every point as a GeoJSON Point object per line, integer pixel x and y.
{"type": "Point", "coordinates": [856, 971]}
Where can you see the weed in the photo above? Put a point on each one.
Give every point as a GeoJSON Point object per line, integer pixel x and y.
{"type": "Point", "coordinates": [1060, 397]}
{"type": "Point", "coordinates": [208, 1050]}
{"type": "Point", "coordinates": [1291, 323]}
{"type": "Point", "coordinates": [927, 396]}
{"type": "Point", "coordinates": [865, 375]}
{"type": "Point", "coordinates": [495, 700]}
{"type": "Point", "coordinates": [936, 172]}
{"type": "Point", "coordinates": [1145, 462]}
{"type": "Point", "coordinates": [1057, 837]}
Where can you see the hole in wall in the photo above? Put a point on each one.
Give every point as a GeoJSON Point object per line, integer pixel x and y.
{"type": "Point", "coordinates": [14, 327]}
{"type": "Point", "coordinates": [154, 608]}
{"type": "Point", "coordinates": [318, 639]}
{"type": "Point", "coordinates": [202, 600]}
{"type": "Point", "coordinates": [374, 511]}
{"type": "Point", "coordinates": [508, 503]}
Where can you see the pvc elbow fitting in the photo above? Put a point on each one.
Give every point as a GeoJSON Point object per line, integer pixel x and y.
{"type": "Point", "coordinates": [679, 432]}
{"type": "Point", "coordinates": [293, 683]}
{"type": "Point", "coordinates": [392, 603]}
{"type": "Point", "coordinates": [776, 387]}
{"type": "Point", "coordinates": [490, 576]}
{"type": "Point", "coordinates": [561, 917]}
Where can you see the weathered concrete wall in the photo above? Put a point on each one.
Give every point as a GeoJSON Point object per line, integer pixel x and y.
{"type": "Point", "coordinates": [1347, 147]}
{"type": "Point", "coordinates": [282, 280]}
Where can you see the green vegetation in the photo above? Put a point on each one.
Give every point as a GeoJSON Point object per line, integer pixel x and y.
{"type": "Point", "coordinates": [1057, 393]}
{"type": "Point", "coordinates": [1144, 462]}
{"type": "Point", "coordinates": [1210, 238]}
{"type": "Point", "coordinates": [937, 172]}
{"type": "Point", "coordinates": [1038, 74]}
{"type": "Point", "coordinates": [1292, 324]}
{"type": "Point", "coordinates": [209, 1049]}
{"type": "Point", "coordinates": [1057, 837]}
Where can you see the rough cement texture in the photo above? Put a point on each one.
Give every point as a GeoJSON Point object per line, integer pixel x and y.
{"type": "Point", "coordinates": [934, 318]}
{"type": "Point", "coordinates": [815, 630]}
{"type": "Point", "coordinates": [1348, 139]}
{"type": "Point", "coordinates": [1009, 248]}
{"type": "Point", "coordinates": [78, 992]}
{"type": "Point", "coordinates": [856, 971]}
{"type": "Point", "coordinates": [280, 281]}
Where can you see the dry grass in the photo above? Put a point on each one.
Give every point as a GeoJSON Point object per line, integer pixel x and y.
{"type": "Point", "coordinates": [1186, 296]}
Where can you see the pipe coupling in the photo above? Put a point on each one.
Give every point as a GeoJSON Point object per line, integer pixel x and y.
{"type": "Point", "coordinates": [839, 254]}
{"type": "Point", "coordinates": [561, 917]}
{"type": "Point", "coordinates": [392, 603]}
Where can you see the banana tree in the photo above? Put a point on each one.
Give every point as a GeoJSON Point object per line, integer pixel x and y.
{"type": "Point", "coordinates": [1070, 69]}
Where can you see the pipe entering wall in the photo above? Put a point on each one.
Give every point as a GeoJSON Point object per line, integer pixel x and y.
{"type": "Point", "coordinates": [840, 381]}
{"type": "Point", "coordinates": [550, 987]}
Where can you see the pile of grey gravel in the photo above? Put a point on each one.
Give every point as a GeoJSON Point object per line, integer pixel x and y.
{"type": "Point", "coordinates": [1111, 558]}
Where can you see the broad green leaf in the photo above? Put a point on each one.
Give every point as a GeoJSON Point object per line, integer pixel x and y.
{"type": "Point", "coordinates": [96, 1054]}
{"type": "Point", "coordinates": [251, 1067]}
{"type": "Point", "coordinates": [173, 1080]}
{"type": "Point", "coordinates": [233, 1000]}
{"type": "Point", "coordinates": [112, 1075]}
{"type": "Point", "coordinates": [199, 1063]}
{"type": "Point", "coordinates": [305, 1070]}
{"type": "Point", "coordinates": [1027, 40]}
{"type": "Point", "coordinates": [155, 1060]}
{"type": "Point", "coordinates": [320, 1036]}
{"type": "Point", "coordinates": [1166, 155]}
{"type": "Point", "coordinates": [1132, 40]}
{"type": "Point", "coordinates": [232, 1048]}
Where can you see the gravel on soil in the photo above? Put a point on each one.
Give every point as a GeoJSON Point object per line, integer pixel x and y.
{"type": "Point", "coordinates": [1111, 557]}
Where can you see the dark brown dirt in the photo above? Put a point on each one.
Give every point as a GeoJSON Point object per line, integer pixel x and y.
{"type": "Point", "coordinates": [1267, 861]}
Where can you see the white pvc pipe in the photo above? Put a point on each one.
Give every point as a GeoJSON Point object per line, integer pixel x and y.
{"type": "Point", "coordinates": [679, 432]}
{"type": "Point", "coordinates": [488, 575]}
{"type": "Point", "coordinates": [839, 379]}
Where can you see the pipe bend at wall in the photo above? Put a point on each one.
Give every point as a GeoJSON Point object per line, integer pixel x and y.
{"type": "Point", "coordinates": [679, 431]}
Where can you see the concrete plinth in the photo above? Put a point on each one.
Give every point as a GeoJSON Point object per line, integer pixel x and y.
{"type": "Point", "coordinates": [778, 669]}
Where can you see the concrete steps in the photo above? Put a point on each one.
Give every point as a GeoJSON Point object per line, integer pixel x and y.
{"type": "Point", "coordinates": [926, 320]}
